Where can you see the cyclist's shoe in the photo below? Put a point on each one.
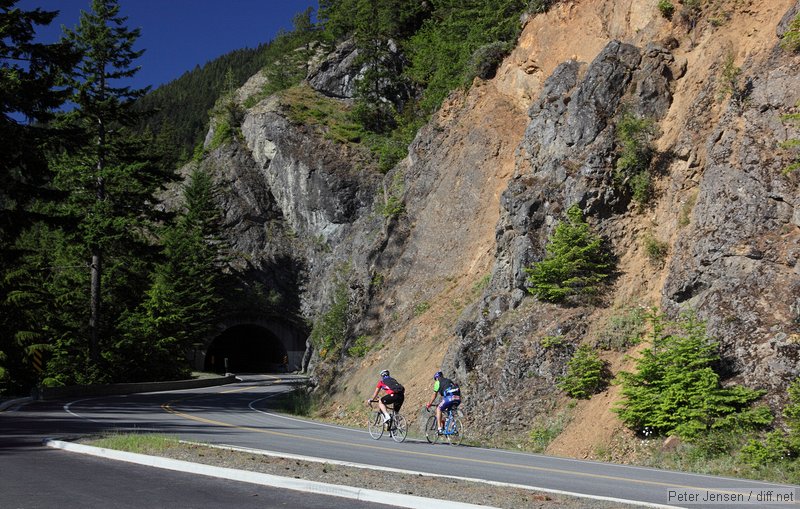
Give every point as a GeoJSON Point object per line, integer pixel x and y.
{"type": "Point", "coordinates": [386, 418]}
{"type": "Point", "coordinates": [440, 431]}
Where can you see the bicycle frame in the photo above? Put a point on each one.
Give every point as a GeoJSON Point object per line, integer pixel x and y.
{"type": "Point", "coordinates": [449, 421]}
{"type": "Point", "coordinates": [452, 431]}
{"type": "Point", "coordinates": [396, 425]}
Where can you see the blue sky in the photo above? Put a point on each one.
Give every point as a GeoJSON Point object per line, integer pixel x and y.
{"type": "Point", "coordinates": [179, 34]}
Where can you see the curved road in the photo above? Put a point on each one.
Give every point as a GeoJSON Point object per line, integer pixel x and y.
{"type": "Point", "coordinates": [242, 415]}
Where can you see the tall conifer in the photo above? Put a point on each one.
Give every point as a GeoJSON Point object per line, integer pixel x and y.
{"type": "Point", "coordinates": [31, 75]}
{"type": "Point", "coordinates": [110, 182]}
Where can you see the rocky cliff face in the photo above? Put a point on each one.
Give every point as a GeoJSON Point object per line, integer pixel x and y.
{"type": "Point", "coordinates": [486, 181]}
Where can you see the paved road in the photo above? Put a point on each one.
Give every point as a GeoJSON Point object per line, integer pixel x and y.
{"type": "Point", "coordinates": [33, 476]}
{"type": "Point", "coordinates": [242, 415]}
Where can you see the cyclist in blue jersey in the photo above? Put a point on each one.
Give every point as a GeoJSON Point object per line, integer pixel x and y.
{"type": "Point", "coordinates": [450, 393]}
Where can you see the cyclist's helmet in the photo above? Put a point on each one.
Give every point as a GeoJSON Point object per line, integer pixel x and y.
{"type": "Point", "coordinates": [437, 375]}
{"type": "Point", "coordinates": [384, 373]}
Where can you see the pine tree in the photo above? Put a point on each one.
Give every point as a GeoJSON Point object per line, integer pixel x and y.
{"type": "Point", "coordinates": [675, 389]}
{"type": "Point", "coordinates": [110, 181]}
{"type": "Point", "coordinates": [575, 264]}
{"type": "Point", "coordinates": [183, 301]}
{"type": "Point", "coordinates": [30, 77]}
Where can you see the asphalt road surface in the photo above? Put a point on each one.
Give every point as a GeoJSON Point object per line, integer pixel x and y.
{"type": "Point", "coordinates": [242, 415]}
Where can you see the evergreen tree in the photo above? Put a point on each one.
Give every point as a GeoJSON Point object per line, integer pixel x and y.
{"type": "Point", "coordinates": [440, 51]}
{"type": "Point", "coordinates": [183, 301]}
{"type": "Point", "coordinates": [575, 264]}
{"type": "Point", "coordinates": [675, 389]}
{"type": "Point", "coordinates": [31, 75]}
{"type": "Point", "coordinates": [109, 181]}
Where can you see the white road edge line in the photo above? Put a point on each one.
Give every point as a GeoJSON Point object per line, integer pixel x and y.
{"type": "Point", "coordinates": [409, 501]}
{"type": "Point", "coordinates": [290, 483]}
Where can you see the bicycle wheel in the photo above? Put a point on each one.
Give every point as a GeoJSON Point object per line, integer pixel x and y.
{"type": "Point", "coordinates": [455, 431]}
{"type": "Point", "coordinates": [375, 425]}
{"type": "Point", "coordinates": [399, 428]}
{"type": "Point", "coordinates": [431, 430]}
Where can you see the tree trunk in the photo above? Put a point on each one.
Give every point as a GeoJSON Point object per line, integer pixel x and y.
{"type": "Point", "coordinates": [94, 318]}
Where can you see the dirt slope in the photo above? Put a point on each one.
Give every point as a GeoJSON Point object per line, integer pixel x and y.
{"type": "Point", "coordinates": [465, 158]}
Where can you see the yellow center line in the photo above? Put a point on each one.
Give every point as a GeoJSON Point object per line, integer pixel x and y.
{"type": "Point", "coordinates": [167, 408]}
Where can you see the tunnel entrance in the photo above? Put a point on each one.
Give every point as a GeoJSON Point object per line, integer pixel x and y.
{"type": "Point", "coordinates": [249, 348]}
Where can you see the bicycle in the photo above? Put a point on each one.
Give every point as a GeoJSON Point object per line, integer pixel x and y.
{"type": "Point", "coordinates": [453, 430]}
{"type": "Point", "coordinates": [396, 425]}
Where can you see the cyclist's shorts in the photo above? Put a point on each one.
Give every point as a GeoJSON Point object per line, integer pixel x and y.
{"type": "Point", "coordinates": [395, 399]}
{"type": "Point", "coordinates": [449, 401]}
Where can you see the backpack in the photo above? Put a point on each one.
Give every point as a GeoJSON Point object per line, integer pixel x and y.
{"type": "Point", "coordinates": [449, 388]}
{"type": "Point", "coordinates": [394, 385]}
{"type": "Point", "coordinates": [452, 390]}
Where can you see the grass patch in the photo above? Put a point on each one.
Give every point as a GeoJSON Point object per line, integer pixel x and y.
{"type": "Point", "coordinates": [308, 107]}
{"type": "Point", "coordinates": [136, 442]}
{"type": "Point", "coordinates": [544, 432]}
{"type": "Point", "coordinates": [298, 402]}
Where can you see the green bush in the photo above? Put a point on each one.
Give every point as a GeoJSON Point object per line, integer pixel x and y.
{"type": "Point", "coordinates": [624, 330]}
{"type": "Point", "coordinates": [634, 138]}
{"type": "Point", "coordinates": [330, 330]}
{"type": "Point", "coordinates": [587, 374]}
{"type": "Point", "coordinates": [778, 445]}
{"type": "Point", "coordinates": [730, 81]}
{"type": "Point", "coordinates": [393, 205]}
{"type": "Point", "coordinates": [575, 264]}
{"type": "Point", "coordinates": [792, 144]}
{"type": "Point", "coordinates": [360, 347]}
{"type": "Point", "coordinates": [791, 38]}
{"type": "Point", "coordinates": [542, 434]}
{"type": "Point", "coordinates": [540, 6]}
{"type": "Point", "coordinates": [548, 342]}
{"type": "Point", "coordinates": [655, 250]}
{"type": "Point", "coordinates": [421, 308]}
{"type": "Point", "coordinates": [484, 61]}
{"type": "Point", "coordinates": [675, 390]}
{"type": "Point", "coordinates": [666, 8]}
{"type": "Point", "coordinates": [774, 448]}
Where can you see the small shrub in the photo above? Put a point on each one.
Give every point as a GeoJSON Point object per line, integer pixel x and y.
{"type": "Point", "coordinates": [548, 342]}
{"type": "Point", "coordinates": [298, 402]}
{"type": "Point", "coordinates": [655, 250]}
{"type": "Point", "coordinates": [791, 38]}
{"type": "Point", "coordinates": [360, 347]}
{"type": "Point", "coordinates": [485, 60]}
{"type": "Point", "coordinates": [778, 445]}
{"type": "Point", "coordinates": [792, 144]}
{"type": "Point", "coordinates": [686, 210]}
{"type": "Point", "coordinates": [623, 331]}
{"type": "Point", "coordinates": [774, 448]}
{"type": "Point", "coordinates": [634, 138]}
{"type": "Point", "coordinates": [587, 374]}
{"type": "Point", "coordinates": [540, 6]}
{"type": "Point", "coordinates": [481, 284]}
{"type": "Point", "coordinates": [690, 12]}
{"type": "Point", "coordinates": [666, 8]}
{"type": "Point", "coordinates": [393, 205]}
{"type": "Point", "coordinates": [330, 330]}
{"type": "Point", "coordinates": [222, 133]}
{"type": "Point", "coordinates": [542, 434]}
{"type": "Point", "coordinates": [730, 82]}
{"type": "Point", "coordinates": [421, 308]}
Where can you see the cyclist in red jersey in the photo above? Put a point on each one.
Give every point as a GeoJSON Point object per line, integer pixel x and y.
{"type": "Point", "coordinates": [395, 394]}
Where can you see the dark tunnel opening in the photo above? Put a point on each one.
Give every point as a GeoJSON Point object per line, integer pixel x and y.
{"type": "Point", "coordinates": [249, 348]}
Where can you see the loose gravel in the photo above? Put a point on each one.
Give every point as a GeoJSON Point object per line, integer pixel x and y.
{"type": "Point", "coordinates": [442, 488]}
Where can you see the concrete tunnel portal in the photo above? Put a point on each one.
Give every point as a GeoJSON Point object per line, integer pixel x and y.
{"type": "Point", "coordinates": [254, 348]}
